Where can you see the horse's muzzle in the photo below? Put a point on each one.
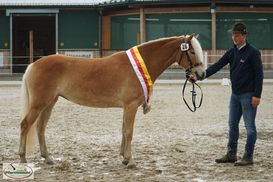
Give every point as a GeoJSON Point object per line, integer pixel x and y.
{"type": "Point", "coordinates": [200, 77]}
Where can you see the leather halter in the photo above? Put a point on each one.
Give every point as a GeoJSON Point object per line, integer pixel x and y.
{"type": "Point", "coordinates": [185, 48]}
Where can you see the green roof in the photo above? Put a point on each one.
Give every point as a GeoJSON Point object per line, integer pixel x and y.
{"type": "Point", "coordinates": [111, 3]}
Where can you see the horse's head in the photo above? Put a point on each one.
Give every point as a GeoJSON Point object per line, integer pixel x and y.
{"type": "Point", "coordinates": [191, 57]}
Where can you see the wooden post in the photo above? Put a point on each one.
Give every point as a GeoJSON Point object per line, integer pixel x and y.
{"type": "Point", "coordinates": [142, 26]}
{"type": "Point", "coordinates": [106, 32]}
{"type": "Point", "coordinates": [30, 46]}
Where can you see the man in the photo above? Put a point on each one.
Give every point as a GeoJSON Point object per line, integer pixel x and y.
{"type": "Point", "coordinates": [246, 74]}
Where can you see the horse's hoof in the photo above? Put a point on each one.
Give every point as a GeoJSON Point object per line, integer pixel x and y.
{"type": "Point", "coordinates": [131, 166]}
{"type": "Point", "coordinates": [23, 160]}
{"type": "Point", "coordinates": [49, 162]}
{"type": "Point", "coordinates": [125, 162]}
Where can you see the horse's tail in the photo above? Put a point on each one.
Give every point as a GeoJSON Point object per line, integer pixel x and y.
{"type": "Point", "coordinates": [25, 109]}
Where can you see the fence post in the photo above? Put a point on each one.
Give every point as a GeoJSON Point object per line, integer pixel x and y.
{"type": "Point", "coordinates": [206, 59]}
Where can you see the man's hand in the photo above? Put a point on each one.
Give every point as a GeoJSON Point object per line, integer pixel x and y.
{"type": "Point", "coordinates": [255, 101]}
{"type": "Point", "coordinates": [192, 79]}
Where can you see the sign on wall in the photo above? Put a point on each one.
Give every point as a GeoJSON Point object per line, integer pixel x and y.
{"type": "Point", "coordinates": [83, 54]}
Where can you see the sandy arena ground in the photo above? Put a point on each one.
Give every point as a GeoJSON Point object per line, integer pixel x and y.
{"type": "Point", "coordinates": [170, 143]}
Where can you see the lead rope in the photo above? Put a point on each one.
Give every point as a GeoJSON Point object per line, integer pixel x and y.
{"type": "Point", "coordinates": [193, 92]}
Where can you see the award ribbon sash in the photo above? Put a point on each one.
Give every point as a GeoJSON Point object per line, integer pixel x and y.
{"type": "Point", "coordinates": [141, 71]}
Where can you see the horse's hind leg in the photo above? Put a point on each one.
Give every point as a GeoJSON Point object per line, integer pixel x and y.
{"type": "Point", "coordinates": [26, 124]}
{"type": "Point", "coordinates": [41, 126]}
{"type": "Point", "coordinates": [127, 132]}
{"type": "Point", "coordinates": [122, 147]}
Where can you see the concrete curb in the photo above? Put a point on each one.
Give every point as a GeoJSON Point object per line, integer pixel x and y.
{"type": "Point", "coordinates": [10, 83]}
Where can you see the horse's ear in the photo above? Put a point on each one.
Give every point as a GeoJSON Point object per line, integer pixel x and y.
{"type": "Point", "coordinates": [191, 36]}
{"type": "Point", "coordinates": [196, 36]}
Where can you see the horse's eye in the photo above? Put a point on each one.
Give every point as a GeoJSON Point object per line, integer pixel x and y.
{"type": "Point", "coordinates": [192, 52]}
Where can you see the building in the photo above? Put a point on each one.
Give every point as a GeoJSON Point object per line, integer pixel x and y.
{"type": "Point", "coordinates": [95, 28]}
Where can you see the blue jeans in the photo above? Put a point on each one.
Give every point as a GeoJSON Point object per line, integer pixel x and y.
{"type": "Point", "coordinates": [240, 105]}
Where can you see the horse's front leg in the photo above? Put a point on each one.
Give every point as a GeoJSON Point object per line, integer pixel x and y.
{"type": "Point", "coordinates": [127, 135]}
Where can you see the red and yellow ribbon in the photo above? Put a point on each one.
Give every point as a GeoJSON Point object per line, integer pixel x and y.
{"type": "Point", "coordinates": [141, 71]}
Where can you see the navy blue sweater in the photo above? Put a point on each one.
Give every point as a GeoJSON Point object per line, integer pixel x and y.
{"type": "Point", "coordinates": [246, 70]}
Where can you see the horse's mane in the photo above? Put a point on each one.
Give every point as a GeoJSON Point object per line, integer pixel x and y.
{"type": "Point", "coordinates": [158, 40]}
{"type": "Point", "coordinates": [197, 48]}
{"type": "Point", "coordinates": [195, 44]}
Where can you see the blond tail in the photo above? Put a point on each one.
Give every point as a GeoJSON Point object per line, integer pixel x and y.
{"type": "Point", "coordinates": [31, 140]}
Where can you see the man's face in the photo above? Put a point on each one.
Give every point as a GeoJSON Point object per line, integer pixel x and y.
{"type": "Point", "coordinates": [238, 38]}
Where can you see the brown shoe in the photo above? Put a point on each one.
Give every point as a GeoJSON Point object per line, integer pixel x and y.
{"type": "Point", "coordinates": [228, 158]}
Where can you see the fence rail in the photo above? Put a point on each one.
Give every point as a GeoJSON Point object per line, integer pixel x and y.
{"type": "Point", "coordinates": [8, 63]}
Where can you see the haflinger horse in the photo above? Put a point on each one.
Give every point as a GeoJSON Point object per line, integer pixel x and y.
{"type": "Point", "coordinates": [112, 81]}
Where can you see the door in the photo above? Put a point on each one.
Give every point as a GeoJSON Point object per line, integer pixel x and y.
{"type": "Point", "coordinates": [44, 39]}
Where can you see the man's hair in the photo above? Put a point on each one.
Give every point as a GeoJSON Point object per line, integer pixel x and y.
{"type": "Point", "coordinates": [239, 27]}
